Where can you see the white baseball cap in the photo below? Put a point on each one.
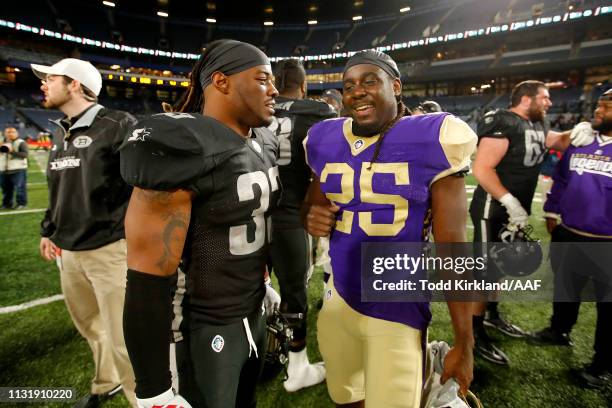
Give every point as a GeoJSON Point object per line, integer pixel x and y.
{"type": "Point", "coordinates": [76, 69]}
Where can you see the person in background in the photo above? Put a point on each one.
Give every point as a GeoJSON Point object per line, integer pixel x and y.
{"type": "Point", "coordinates": [291, 244]}
{"type": "Point", "coordinates": [14, 170]}
{"type": "Point", "coordinates": [333, 97]}
{"type": "Point", "coordinates": [84, 222]}
{"type": "Point", "coordinates": [583, 177]}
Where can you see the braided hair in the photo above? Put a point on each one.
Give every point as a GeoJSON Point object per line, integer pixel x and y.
{"type": "Point", "coordinates": [192, 100]}
{"type": "Point", "coordinates": [289, 74]}
{"type": "Point", "coordinates": [402, 110]}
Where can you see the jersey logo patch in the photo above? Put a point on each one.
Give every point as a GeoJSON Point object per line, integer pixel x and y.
{"type": "Point", "coordinates": [358, 144]}
{"type": "Point", "coordinates": [256, 146]}
{"type": "Point", "coordinates": [80, 142]}
{"type": "Point", "coordinates": [328, 294]}
{"type": "Point", "coordinates": [139, 135]}
{"type": "Point", "coordinates": [598, 151]}
{"type": "Point", "coordinates": [217, 343]}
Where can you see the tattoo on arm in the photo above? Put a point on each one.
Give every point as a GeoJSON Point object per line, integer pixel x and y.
{"type": "Point", "coordinates": [173, 239]}
{"type": "Point", "coordinates": [155, 197]}
{"type": "Point", "coordinates": [175, 224]}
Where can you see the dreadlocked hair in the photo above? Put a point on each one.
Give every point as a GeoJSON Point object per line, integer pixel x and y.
{"type": "Point", "coordinates": [402, 111]}
{"type": "Point", "coordinates": [289, 74]}
{"type": "Point", "coordinates": [192, 100]}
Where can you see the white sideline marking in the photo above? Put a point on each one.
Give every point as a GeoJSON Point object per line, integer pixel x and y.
{"type": "Point", "coordinates": [27, 305]}
{"type": "Point", "coordinates": [15, 212]}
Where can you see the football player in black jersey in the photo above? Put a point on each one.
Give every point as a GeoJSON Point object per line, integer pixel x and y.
{"type": "Point", "coordinates": [290, 247]}
{"type": "Point", "coordinates": [512, 145]}
{"type": "Point", "coordinates": [205, 180]}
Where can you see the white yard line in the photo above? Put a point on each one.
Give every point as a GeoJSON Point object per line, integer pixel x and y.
{"type": "Point", "coordinates": [27, 305]}
{"type": "Point", "coordinates": [17, 212]}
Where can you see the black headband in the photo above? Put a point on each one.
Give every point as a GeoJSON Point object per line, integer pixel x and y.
{"type": "Point", "coordinates": [373, 57]}
{"type": "Point", "coordinates": [231, 57]}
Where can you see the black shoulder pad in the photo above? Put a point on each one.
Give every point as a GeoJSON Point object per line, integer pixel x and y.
{"type": "Point", "coordinates": [164, 151]}
{"type": "Point", "coordinates": [495, 124]}
{"type": "Point", "coordinates": [314, 108]}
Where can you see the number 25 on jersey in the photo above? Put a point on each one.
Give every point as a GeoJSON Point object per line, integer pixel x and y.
{"type": "Point", "coordinates": [367, 195]}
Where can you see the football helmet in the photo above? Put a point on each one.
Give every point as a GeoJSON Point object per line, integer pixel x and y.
{"type": "Point", "coordinates": [429, 107]}
{"type": "Point", "coordinates": [280, 334]}
{"type": "Point", "coordinates": [519, 254]}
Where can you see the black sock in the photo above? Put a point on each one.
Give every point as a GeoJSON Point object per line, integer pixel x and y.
{"type": "Point", "coordinates": [478, 327]}
{"type": "Point", "coordinates": [492, 310]}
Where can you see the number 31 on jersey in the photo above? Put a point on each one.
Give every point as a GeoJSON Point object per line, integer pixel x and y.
{"type": "Point", "coordinates": [239, 243]}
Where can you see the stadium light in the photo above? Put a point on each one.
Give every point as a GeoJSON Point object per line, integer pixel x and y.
{"type": "Point", "coordinates": [404, 9]}
{"type": "Point", "coordinates": [312, 22]}
{"type": "Point", "coordinates": [162, 14]}
{"type": "Point", "coordinates": [268, 23]}
{"type": "Point", "coordinates": [357, 18]}
{"type": "Point", "coordinates": [115, 66]}
{"type": "Point", "coordinates": [211, 20]}
{"type": "Point", "coordinates": [108, 3]}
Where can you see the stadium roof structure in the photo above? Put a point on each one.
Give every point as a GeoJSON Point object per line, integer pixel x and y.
{"type": "Point", "coordinates": [281, 12]}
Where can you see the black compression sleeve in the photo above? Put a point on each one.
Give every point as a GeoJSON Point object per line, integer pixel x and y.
{"type": "Point", "coordinates": [146, 328]}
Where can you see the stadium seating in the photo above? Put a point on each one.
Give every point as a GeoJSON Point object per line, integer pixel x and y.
{"type": "Point", "coordinates": [41, 117]}
{"type": "Point", "coordinates": [7, 117]}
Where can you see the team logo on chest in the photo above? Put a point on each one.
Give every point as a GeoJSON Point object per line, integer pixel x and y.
{"type": "Point", "coordinates": [598, 151]}
{"type": "Point", "coordinates": [80, 142]}
{"type": "Point", "coordinates": [217, 343]}
{"type": "Point", "coordinates": [358, 144]}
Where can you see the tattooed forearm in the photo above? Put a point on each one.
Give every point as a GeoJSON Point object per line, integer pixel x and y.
{"type": "Point", "coordinates": [173, 239]}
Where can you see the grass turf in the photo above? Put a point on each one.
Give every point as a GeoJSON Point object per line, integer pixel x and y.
{"type": "Point", "coordinates": [40, 346]}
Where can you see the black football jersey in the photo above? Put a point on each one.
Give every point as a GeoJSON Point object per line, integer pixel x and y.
{"type": "Point", "coordinates": [292, 119]}
{"type": "Point", "coordinates": [236, 185]}
{"type": "Point", "coordinates": [519, 168]}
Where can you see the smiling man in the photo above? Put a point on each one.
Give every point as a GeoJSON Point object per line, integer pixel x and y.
{"type": "Point", "coordinates": [583, 177]}
{"type": "Point", "coordinates": [373, 351]}
{"type": "Point", "coordinates": [205, 179]}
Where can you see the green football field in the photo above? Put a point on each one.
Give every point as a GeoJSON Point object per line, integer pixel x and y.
{"type": "Point", "coordinates": [41, 348]}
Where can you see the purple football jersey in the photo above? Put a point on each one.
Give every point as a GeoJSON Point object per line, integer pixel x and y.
{"type": "Point", "coordinates": [385, 201]}
{"type": "Point", "coordinates": [582, 189]}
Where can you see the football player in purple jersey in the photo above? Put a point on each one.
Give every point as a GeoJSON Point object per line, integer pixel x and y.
{"type": "Point", "coordinates": [582, 178]}
{"type": "Point", "coordinates": [374, 351]}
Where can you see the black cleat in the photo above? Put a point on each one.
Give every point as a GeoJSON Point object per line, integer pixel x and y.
{"type": "Point", "coordinates": [95, 400]}
{"type": "Point", "coordinates": [503, 326]}
{"type": "Point", "coordinates": [487, 350]}
{"type": "Point", "coordinates": [552, 337]}
{"type": "Point", "coordinates": [592, 376]}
